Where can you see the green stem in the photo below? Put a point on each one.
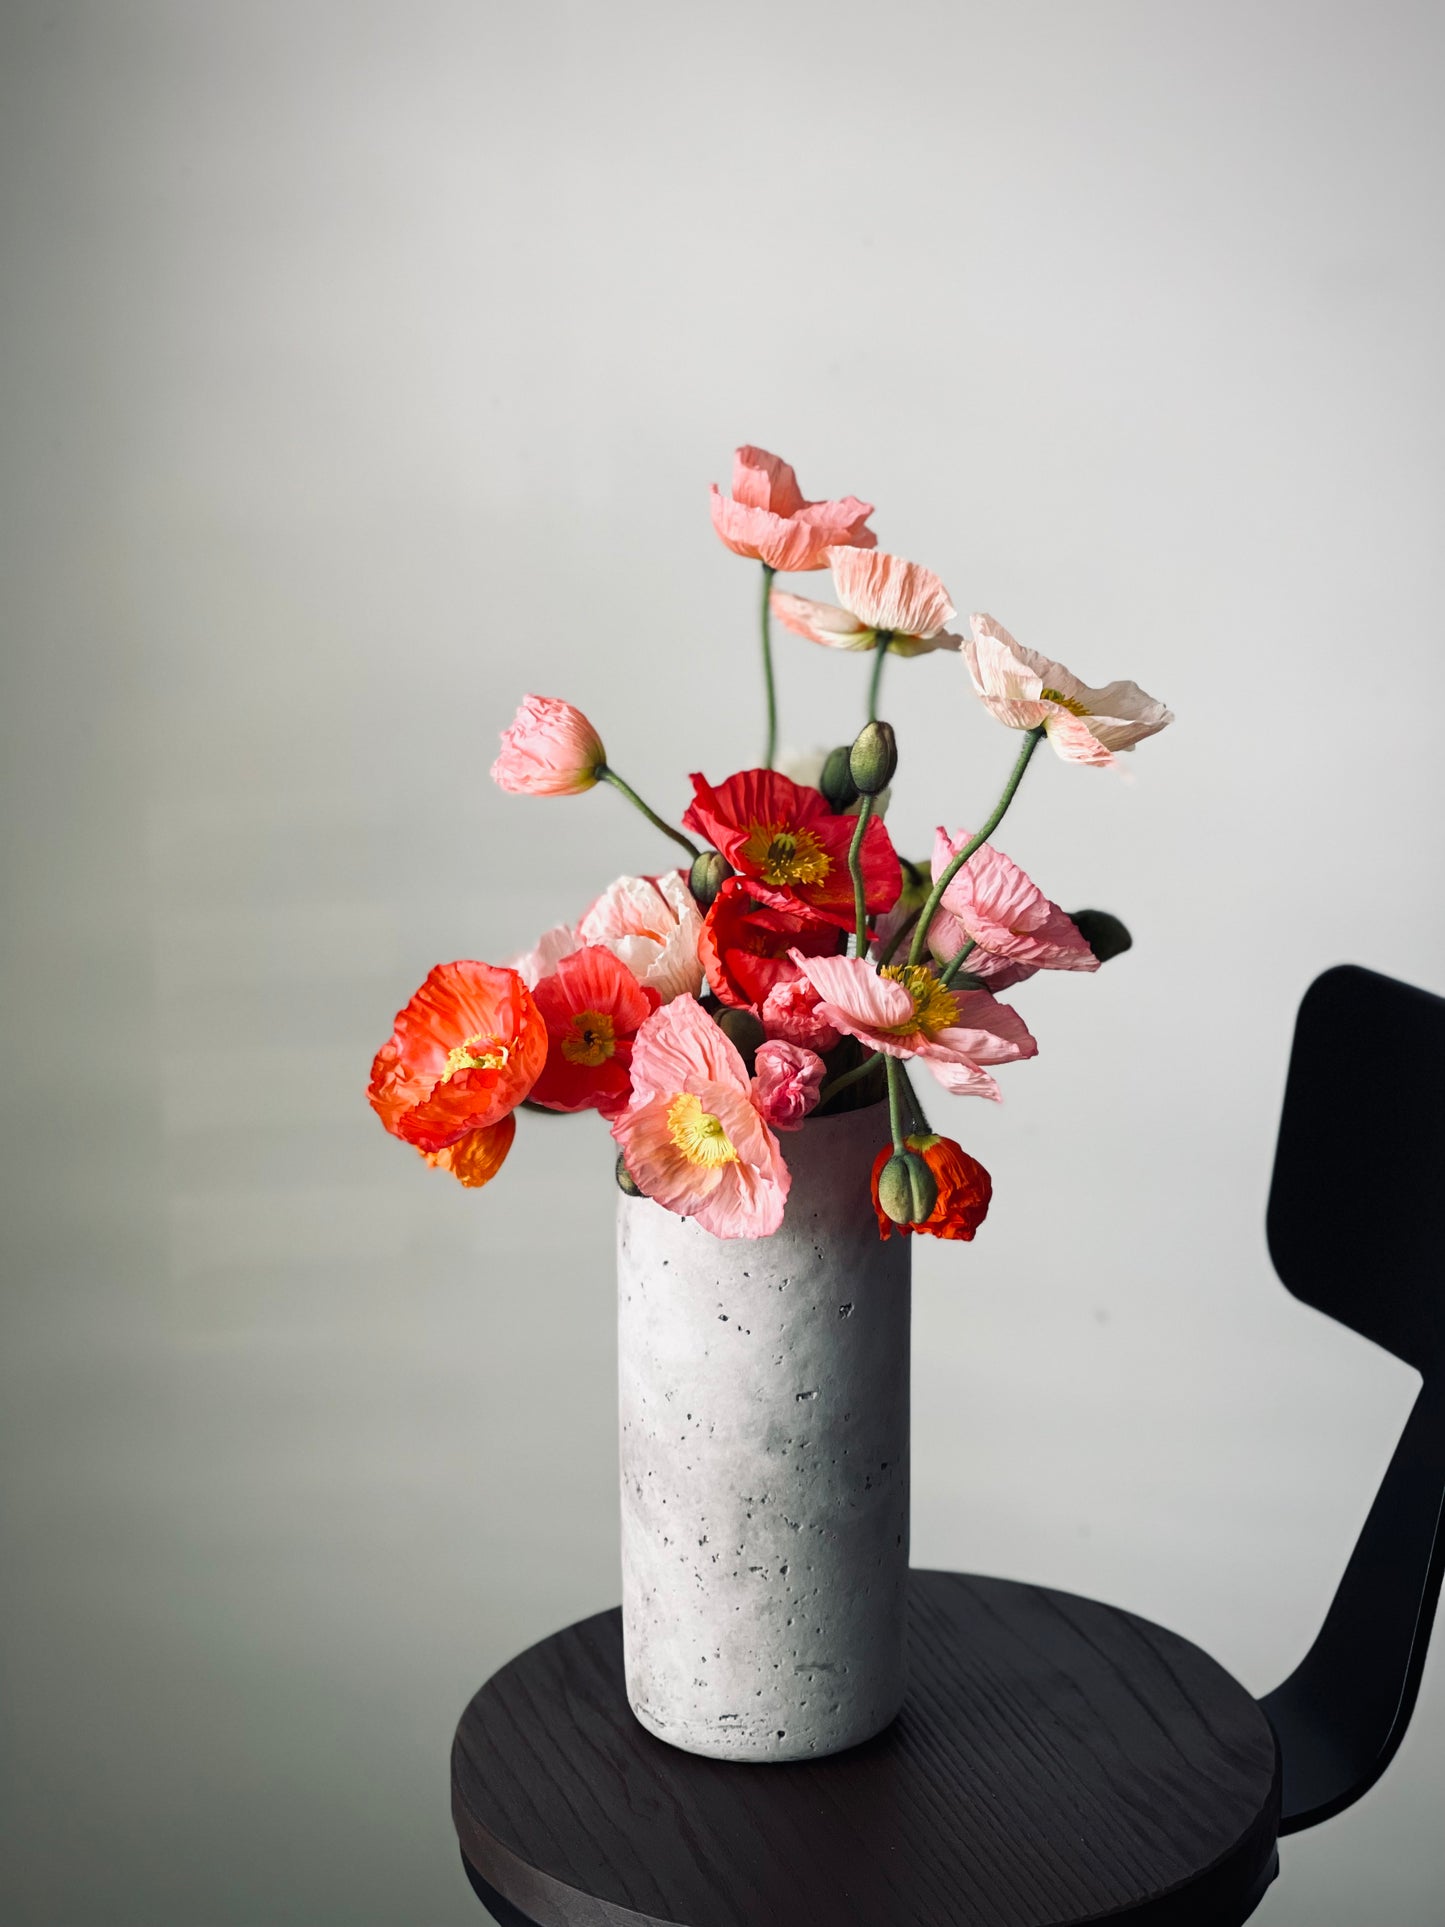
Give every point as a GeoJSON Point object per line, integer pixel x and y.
{"type": "Point", "coordinates": [769, 687]}
{"type": "Point", "coordinates": [845, 1078]}
{"type": "Point", "coordinates": [895, 1101]}
{"type": "Point", "coordinates": [886, 954]}
{"type": "Point", "coordinates": [935, 895]}
{"type": "Point", "coordinates": [606, 775]}
{"type": "Point", "coordinates": [880, 656]}
{"type": "Point", "coordinates": [855, 870]}
{"type": "Point", "coordinates": [955, 963]}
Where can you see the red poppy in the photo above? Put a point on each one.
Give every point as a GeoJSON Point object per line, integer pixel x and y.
{"type": "Point", "coordinates": [792, 848]}
{"type": "Point", "coordinates": [744, 944]}
{"type": "Point", "coordinates": [964, 1189]}
{"type": "Point", "coordinates": [463, 1054]}
{"type": "Point", "coordinates": [592, 1006]}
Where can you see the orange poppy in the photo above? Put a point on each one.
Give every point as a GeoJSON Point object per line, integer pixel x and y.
{"type": "Point", "coordinates": [964, 1189]}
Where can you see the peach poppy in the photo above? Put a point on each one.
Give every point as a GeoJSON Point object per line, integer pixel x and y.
{"type": "Point", "coordinates": [1026, 691]}
{"type": "Point", "coordinates": [964, 1189]}
{"type": "Point", "coordinates": [790, 1012]}
{"type": "Point", "coordinates": [787, 1082]}
{"type": "Point", "coordinates": [904, 1011]}
{"type": "Point", "coordinates": [770, 520]}
{"type": "Point", "coordinates": [592, 1006]}
{"type": "Point", "coordinates": [692, 1136]}
{"type": "Point", "coordinates": [549, 749]}
{"type": "Point", "coordinates": [746, 946]}
{"type": "Point", "coordinates": [474, 1160]}
{"type": "Point", "coordinates": [464, 1052]}
{"type": "Point", "coordinates": [652, 924]}
{"type": "Point", "coordinates": [1006, 914]}
{"type": "Point", "coordinates": [882, 596]}
{"type": "Point", "coordinates": [791, 847]}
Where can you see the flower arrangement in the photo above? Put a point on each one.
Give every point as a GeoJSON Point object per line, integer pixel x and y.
{"type": "Point", "coordinates": [796, 967]}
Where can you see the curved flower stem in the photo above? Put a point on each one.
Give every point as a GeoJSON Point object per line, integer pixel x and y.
{"type": "Point", "coordinates": [895, 1100]}
{"type": "Point", "coordinates": [845, 1078]}
{"type": "Point", "coordinates": [955, 963]}
{"type": "Point", "coordinates": [771, 748]}
{"type": "Point", "coordinates": [606, 775]}
{"type": "Point", "coordinates": [855, 870]}
{"type": "Point", "coordinates": [880, 656]}
{"type": "Point", "coordinates": [935, 895]}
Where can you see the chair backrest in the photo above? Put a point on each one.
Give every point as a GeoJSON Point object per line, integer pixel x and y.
{"type": "Point", "coordinates": [1352, 1225]}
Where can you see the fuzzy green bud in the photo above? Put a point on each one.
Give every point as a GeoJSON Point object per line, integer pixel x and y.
{"type": "Point", "coordinates": [836, 782]}
{"type": "Point", "coordinates": [1105, 935]}
{"type": "Point", "coordinates": [707, 876]}
{"type": "Point", "coordinates": [873, 758]}
{"type": "Point", "coordinates": [625, 1180]}
{"type": "Point", "coordinates": [907, 1189]}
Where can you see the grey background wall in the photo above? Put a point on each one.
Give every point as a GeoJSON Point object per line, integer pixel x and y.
{"type": "Point", "coordinates": [365, 365]}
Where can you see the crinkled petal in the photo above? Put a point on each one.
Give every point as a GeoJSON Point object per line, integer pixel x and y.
{"type": "Point", "coordinates": [474, 1160]}
{"type": "Point", "coordinates": [886, 592]}
{"type": "Point", "coordinates": [764, 481]}
{"type": "Point", "coordinates": [820, 622]}
{"type": "Point", "coordinates": [680, 1048]}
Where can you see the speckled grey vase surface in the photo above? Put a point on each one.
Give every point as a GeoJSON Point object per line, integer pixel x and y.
{"type": "Point", "coordinates": [764, 1440]}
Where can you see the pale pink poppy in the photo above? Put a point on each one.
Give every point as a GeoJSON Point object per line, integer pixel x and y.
{"type": "Point", "coordinates": [652, 925]}
{"type": "Point", "coordinates": [770, 520]}
{"type": "Point", "coordinates": [549, 749]}
{"type": "Point", "coordinates": [790, 1012]}
{"type": "Point", "coordinates": [1006, 914]}
{"type": "Point", "coordinates": [787, 1083]}
{"type": "Point", "coordinates": [904, 1011]}
{"type": "Point", "coordinates": [882, 595]}
{"type": "Point", "coordinates": [692, 1136]}
{"type": "Point", "coordinates": [545, 955]}
{"type": "Point", "coordinates": [1024, 689]}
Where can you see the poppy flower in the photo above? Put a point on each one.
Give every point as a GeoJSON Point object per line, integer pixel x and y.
{"type": "Point", "coordinates": [747, 947]}
{"type": "Point", "coordinates": [787, 1083]}
{"type": "Point", "coordinates": [692, 1136]}
{"type": "Point", "coordinates": [1008, 917]}
{"type": "Point", "coordinates": [549, 749]}
{"type": "Point", "coordinates": [770, 520]}
{"type": "Point", "coordinates": [964, 1189]}
{"type": "Point", "coordinates": [474, 1160]}
{"type": "Point", "coordinates": [463, 1054]}
{"type": "Point", "coordinates": [904, 1011]}
{"type": "Point", "coordinates": [791, 847]}
{"type": "Point", "coordinates": [592, 1006]}
{"type": "Point", "coordinates": [882, 596]}
{"type": "Point", "coordinates": [1027, 691]}
{"type": "Point", "coordinates": [652, 924]}
{"type": "Point", "coordinates": [790, 1012]}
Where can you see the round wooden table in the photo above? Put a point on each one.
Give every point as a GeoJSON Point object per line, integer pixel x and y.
{"type": "Point", "coordinates": [1057, 1761]}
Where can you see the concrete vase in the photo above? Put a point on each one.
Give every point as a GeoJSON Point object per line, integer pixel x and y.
{"type": "Point", "coordinates": [764, 1394]}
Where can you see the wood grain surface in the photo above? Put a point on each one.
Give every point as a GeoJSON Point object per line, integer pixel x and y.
{"type": "Point", "coordinates": [1057, 1761]}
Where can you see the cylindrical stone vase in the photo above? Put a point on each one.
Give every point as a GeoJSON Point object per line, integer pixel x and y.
{"type": "Point", "coordinates": [764, 1415]}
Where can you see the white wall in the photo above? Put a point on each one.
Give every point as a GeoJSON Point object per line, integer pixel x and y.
{"type": "Point", "coordinates": [366, 365]}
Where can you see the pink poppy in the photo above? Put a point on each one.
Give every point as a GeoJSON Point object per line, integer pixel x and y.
{"type": "Point", "coordinates": [1008, 917]}
{"type": "Point", "coordinates": [904, 1011]}
{"type": "Point", "coordinates": [769, 519]}
{"type": "Point", "coordinates": [1024, 689]}
{"type": "Point", "coordinates": [790, 1012]}
{"type": "Point", "coordinates": [787, 1083]}
{"type": "Point", "coordinates": [882, 595]}
{"type": "Point", "coordinates": [692, 1136]}
{"type": "Point", "coordinates": [549, 749]}
{"type": "Point", "coordinates": [651, 924]}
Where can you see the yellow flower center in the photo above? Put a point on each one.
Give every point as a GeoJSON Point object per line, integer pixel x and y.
{"type": "Point", "coordinates": [935, 1007]}
{"type": "Point", "coordinates": [785, 856]}
{"type": "Point", "coordinates": [1071, 703]}
{"type": "Point", "coordinates": [591, 1040]}
{"type": "Point", "coordinates": [478, 1053]}
{"type": "Point", "coordinates": [697, 1133]}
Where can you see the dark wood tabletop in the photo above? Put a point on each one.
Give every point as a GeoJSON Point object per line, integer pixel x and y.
{"type": "Point", "coordinates": [1057, 1761]}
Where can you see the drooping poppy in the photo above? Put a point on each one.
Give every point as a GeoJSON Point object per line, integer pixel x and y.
{"type": "Point", "coordinates": [964, 1189]}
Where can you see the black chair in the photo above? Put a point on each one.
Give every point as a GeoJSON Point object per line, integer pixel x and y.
{"type": "Point", "coordinates": [1353, 1232]}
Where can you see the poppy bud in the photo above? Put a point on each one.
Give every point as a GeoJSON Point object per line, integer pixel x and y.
{"type": "Point", "coordinates": [836, 782]}
{"type": "Point", "coordinates": [706, 877]}
{"type": "Point", "coordinates": [1105, 935]}
{"type": "Point", "coordinates": [625, 1180]}
{"type": "Point", "coordinates": [742, 1030]}
{"type": "Point", "coordinates": [873, 758]}
{"type": "Point", "coordinates": [907, 1189]}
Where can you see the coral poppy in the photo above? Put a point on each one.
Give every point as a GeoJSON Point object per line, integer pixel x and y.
{"type": "Point", "coordinates": [474, 1160]}
{"type": "Point", "coordinates": [592, 1006]}
{"type": "Point", "coordinates": [964, 1189]}
{"type": "Point", "coordinates": [792, 848]}
{"type": "Point", "coordinates": [746, 946]}
{"type": "Point", "coordinates": [1026, 690]}
{"type": "Point", "coordinates": [790, 1012]}
{"type": "Point", "coordinates": [882, 596]}
{"type": "Point", "coordinates": [464, 1052]}
{"type": "Point", "coordinates": [1008, 917]}
{"type": "Point", "coordinates": [904, 1011]}
{"type": "Point", "coordinates": [770, 520]}
{"type": "Point", "coordinates": [549, 749]}
{"type": "Point", "coordinates": [787, 1083]}
{"type": "Point", "coordinates": [692, 1136]}
{"type": "Point", "coordinates": [652, 924]}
